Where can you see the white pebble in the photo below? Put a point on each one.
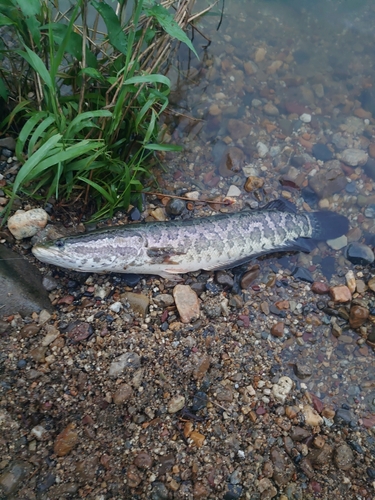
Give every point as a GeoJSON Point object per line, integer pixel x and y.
{"type": "Point", "coordinates": [305, 118]}
{"type": "Point", "coordinates": [116, 307]}
{"type": "Point", "coordinates": [26, 224]}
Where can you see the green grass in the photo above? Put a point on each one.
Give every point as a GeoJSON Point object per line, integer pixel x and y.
{"type": "Point", "coordinates": [86, 104]}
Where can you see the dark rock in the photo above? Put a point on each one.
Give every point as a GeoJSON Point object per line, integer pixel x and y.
{"type": "Point", "coordinates": [13, 477]}
{"type": "Point", "coordinates": [322, 152]}
{"type": "Point", "coordinates": [224, 278]}
{"type": "Point", "coordinates": [200, 401]}
{"type": "Point", "coordinates": [358, 316]}
{"type": "Point", "coordinates": [21, 286]}
{"type": "Point", "coordinates": [303, 274]}
{"type": "Point", "coordinates": [283, 468]}
{"type": "Point", "coordinates": [343, 457]}
{"type": "Point", "coordinates": [231, 162]}
{"type": "Point", "coordinates": [343, 417]}
{"type": "Point", "coordinates": [370, 472]}
{"type": "Point", "coordinates": [320, 457]}
{"type": "Point", "coordinates": [234, 492]}
{"type": "Point", "coordinates": [131, 279]}
{"type": "Point", "coordinates": [143, 460]}
{"type": "Point", "coordinates": [369, 168]}
{"type": "Point", "coordinates": [325, 183]}
{"type": "Point", "coordinates": [134, 214]}
{"type": "Point", "coordinates": [359, 254]}
{"type": "Point", "coordinates": [367, 99]}
{"type": "Point", "coordinates": [46, 484]}
{"type": "Point", "coordinates": [175, 206]}
{"type": "Point", "coordinates": [299, 434]}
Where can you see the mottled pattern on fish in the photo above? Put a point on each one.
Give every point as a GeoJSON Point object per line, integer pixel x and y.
{"type": "Point", "coordinates": [182, 246]}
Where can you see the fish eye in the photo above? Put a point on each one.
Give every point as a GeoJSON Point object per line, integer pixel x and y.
{"type": "Point", "coordinates": [59, 244]}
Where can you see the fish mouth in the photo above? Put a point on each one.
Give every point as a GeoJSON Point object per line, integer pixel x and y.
{"type": "Point", "coordinates": [48, 254]}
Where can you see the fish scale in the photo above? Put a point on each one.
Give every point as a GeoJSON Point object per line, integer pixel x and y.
{"type": "Point", "coordinates": [208, 243]}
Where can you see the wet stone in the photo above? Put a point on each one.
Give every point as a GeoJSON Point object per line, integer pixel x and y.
{"type": "Point", "coordinates": [66, 441]}
{"type": "Point", "coordinates": [224, 278]}
{"type": "Point", "coordinates": [303, 370]}
{"type": "Point", "coordinates": [343, 416]}
{"type": "Point", "coordinates": [159, 492]}
{"type": "Point", "coordinates": [13, 477]}
{"type": "Point", "coordinates": [231, 162]}
{"type": "Point", "coordinates": [340, 294]}
{"type": "Point", "coordinates": [303, 274]}
{"type": "Point", "coordinates": [253, 183]}
{"type": "Point", "coordinates": [133, 477]}
{"type": "Point", "coordinates": [238, 129]}
{"type": "Point", "coordinates": [320, 457]}
{"type": "Point", "coordinates": [164, 300]}
{"type": "Point", "coordinates": [320, 288]}
{"type": "Point", "coordinates": [46, 483]}
{"type": "Point", "coordinates": [354, 157]}
{"type": "Point", "coordinates": [138, 302]}
{"type": "Point", "coordinates": [175, 206]}
{"type": "Point", "coordinates": [322, 152]}
{"type": "Point", "coordinates": [266, 489]}
{"type": "Point", "coordinates": [187, 303]}
{"type": "Point", "coordinates": [359, 254]}
{"type": "Point", "coordinates": [122, 363]}
{"type": "Point", "coordinates": [358, 316]}
{"type": "Point", "coordinates": [343, 457]}
{"type": "Point", "coordinates": [234, 492]}
{"type": "Point", "coordinates": [283, 468]}
{"type": "Point", "coordinates": [328, 182]}
{"type": "Point", "coordinates": [311, 416]}
{"type": "Point", "coordinates": [143, 460]}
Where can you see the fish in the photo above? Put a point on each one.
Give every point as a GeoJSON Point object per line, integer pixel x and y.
{"type": "Point", "coordinates": [205, 243]}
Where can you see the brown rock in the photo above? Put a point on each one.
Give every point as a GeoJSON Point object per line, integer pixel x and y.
{"type": "Point", "coordinates": [133, 477]}
{"type": "Point", "coordinates": [122, 394]}
{"type": "Point", "coordinates": [343, 457]}
{"type": "Point", "coordinates": [265, 308]}
{"type": "Point", "coordinates": [250, 68]}
{"type": "Point", "coordinates": [291, 411]}
{"type": "Point", "coordinates": [320, 288]}
{"type": "Point", "coordinates": [312, 417]}
{"type": "Point", "coordinates": [260, 54]}
{"type": "Point", "coordinates": [319, 442]}
{"type": "Point", "coordinates": [283, 468]}
{"type": "Point", "coordinates": [299, 434]}
{"type": "Point", "coordinates": [202, 367]}
{"type": "Point", "coordinates": [250, 276]}
{"type": "Point", "coordinates": [214, 110]}
{"type": "Point", "coordinates": [197, 438]}
{"type": "Point", "coordinates": [320, 457]}
{"type": "Point", "coordinates": [39, 354]}
{"type": "Point", "coordinates": [200, 491]}
{"type": "Point", "coordinates": [238, 129]}
{"type": "Point", "coordinates": [224, 393]}
{"type": "Point", "coordinates": [371, 150]}
{"type": "Point", "coordinates": [187, 303]}
{"type": "Point", "coordinates": [253, 183]}
{"type": "Point", "coordinates": [266, 489]}
{"type": "Point", "coordinates": [358, 316]}
{"type": "Point", "coordinates": [340, 293]}
{"type": "Point", "coordinates": [66, 441]}
{"type": "Point", "coordinates": [231, 162]}
{"type": "Point", "coordinates": [143, 460]}
{"type": "Point", "coordinates": [138, 302]}
{"type": "Point", "coordinates": [277, 330]}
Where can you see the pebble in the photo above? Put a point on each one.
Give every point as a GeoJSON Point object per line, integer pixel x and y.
{"type": "Point", "coordinates": [176, 404]}
{"type": "Point", "coordinates": [262, 149]}
{"type": "Point", "coordinates": [311, 416]}
{"type": "Point", "coordinates": [164, 300]}
{"type": "Point", "coordinates": [234, 492]}
{"type": "Point", "coordinates": [322, 152]}
{"type": "Point", "coordinates": [187, 303]}
{"type": "Point", "coordinates": [343, 457]}
{"type": "Point", "coordinates": [116, 307]}
{"type": "Point", "coordinates": [66, 441]}
{"type": "Point", "coordinates": [270, 109]}
{"type": "Point", "coordinates": [260, 54]}
{"type": "Point", "coordinates": [281, 390]}
{"type": "Point", "coordinates": [26, 224]}
{"type": "Point", "coordinates": [329, 181]}
{"type": "Point", "coordinates": [143, 460]}
{"type": "Point", "coordinates": [13, 477]}
{"type": "Point", "coordinates": [320, 288]}
{"type": "Point", "coordinates": [250, 276]}
{"type": "Point", "coordinates": [340, 293]}
{"type": "Point", "coordinates": [320, 456]}
{"type": "Point", "coordinates": [282, 466]}
{"type": "Point", "coordinates": [138, 302]}
{"type": "Point", "coordinates": [338, 243]}
{"type": "Point", "coordinates": [253, 184]}
{"type": "Point", "coordinates": [305, 118]}
{"type": "Point", "coordinates": [201, 367]}
{"type": "Point", "coordinates": [303, 370]}
{"type": "Point", "coordinates": [350, 281]}
{"type": "Point", "coordinates": [238, 129]}
{"type": "Point", "coordinates": [127, 360]}
{"type": "Point", "coordinates": [122, 394]}
{"type": "Point", "coordinates": [197, 438]}
{"type": "Point", "coordinates": [358, 316]}
{"type": "Point", "coordinates": [354, 157]}
{"type": "Point", "coordinates": [175, 206]}
{"type": "Point", "coordinates": [224, 278]}
{"type": "Point", "coordinates": [266, 489]}
{"type": "Point", "coordinates": [233, 191]}
{"type": "Point", "coordinates": [359, 254]}
{"type": "Point", "coordinates": [277, 330]}
{"type": "Point", "coordinates": [8, 143]}
{"type": "Point", "coordinates": [231, 162]}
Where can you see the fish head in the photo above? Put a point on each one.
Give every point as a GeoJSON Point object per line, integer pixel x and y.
{"type": "Point", "coordinates": [58, 253]}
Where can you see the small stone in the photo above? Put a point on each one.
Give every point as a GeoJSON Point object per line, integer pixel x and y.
{"type": "Point", "coordinates": [27, 224]}
{"type": "Point", "coordinates": [44, 316]}
{"type": "Point", "coordinates": [319, 442]}
{"type": "Point", "coordinates": [143, 460]}
{"type": "Point", "coordinates": [138, 302]}
{"type": "Point", "coordinates": [338, 243]}
{"type": "Point", "coordinates": [303, 370]}
{"type": "Point", "coordinates": [266, 489]}
{"type": "Point", "coordinates": [277, 330]}
{"type": "Point", "coordinates": [80, 332]}
{"type": "Point", "coordinates": [238, 129]}
{"type": "Point", "coordinates": [233, 191]}
{"type": "Point", "coordinates": [320, 288]}
{"type": "Point", "coordinates": [282, 389]}
{"type": "Point", "coordinates": [14, 477]}
{"type": "Point", "coordinates": [329, 181]}
{"type": "Point", "coordinates": [133, 477]}
{"type": "Point", "coordinates": [175, 206]}
{"type": "Point", "coordinates": [270, 109]}
{"type": "Point", "coordinates": [116, 307]}
{"type": "Point", "coordinates": [38, 354]}
{"type": "Point", "coordinates": [320, 456]}
{"type": "Point", "coordinates": [202, 366]}
{"type": "Point", "coordinates": [262, 149]}
{"type": "Point", "coordinates": [359, 254]}
{"type": "Point", "coordinates": [282, 466]}
{"type": "Point", "coordinates": [350, 281]}
{"type": "Point", "coordinates": [187, 303]}
{"type": "Point", "coordinates": [260, 54]}
{"type": "Point", "coordinates": [250, 276]}
{"type": "Point", "coordinates": [159, 214]}
{"type": "Point", "coordinates": [8, 143]}
{"type": "Point", "coordinates": [66, 441]}
{"type": "Point", "coordinates": [299, 433]}
{"type": "Point", "coordinates": [322, 152]}
{"type": "Point", "coordinates": [127, 360]}
{"type": "Point", "coordinates": [291, 412]}
{"type": "Point", "coordinates": [200, 491]}
{"type": "Point", "coordinates": [224, 278]}
{"type": "Point", "coordinates": [214, 110]}
{"type": "Point", "coordinates": [164, 300]}
{"type": "Point", "coordinates": [354, 157]}
{"type": "Point", "coordinates": [250, 68]}
{"type": "Point", "coordinates": [253, 183]}
{"type": "Point", "coordinates": [305, 118]}
{"type": "Point", "coordinates": [231, 162]}
{"type": "Point", "coordinates": [312, 417]}
{"type": "Point", "coordinates": [123, 393]}
{"type": "Point", "coordinates": [371, 284]}
{"type": "Point", "coordinates": [340, 293]}
{"type": "Point", "coordinates": [343, 457]}
{"type": "Point", "coordinates": [274, 67]}
{"type": "Point", "coordinates": [197, 438]}
{"type": "Point", "coordinates": [358, 316]}
{"type": "Point", "coordinates": [176, 404]}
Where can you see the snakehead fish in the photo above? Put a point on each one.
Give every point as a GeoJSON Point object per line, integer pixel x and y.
{"type": "Point", "coordinates": [215, 242]}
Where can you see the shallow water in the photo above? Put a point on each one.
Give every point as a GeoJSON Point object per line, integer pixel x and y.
{"type": "Point", "coordinates": [271, 63]}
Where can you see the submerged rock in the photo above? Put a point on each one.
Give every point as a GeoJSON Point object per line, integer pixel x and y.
{"type": "Point", "coordinates": [21, 285]}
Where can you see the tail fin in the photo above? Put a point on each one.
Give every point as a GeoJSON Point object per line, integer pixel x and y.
{"type": "Point", "coordinates": [327, 225]}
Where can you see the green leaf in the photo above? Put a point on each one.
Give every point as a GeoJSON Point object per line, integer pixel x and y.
{"type": "Point", "coordinates": [3, 90]}
{"type": "Point", "coordinates": [92, 73]}
{"type": "Point", "coordinates": [79, 121]}
{"type": "Point", "coordinates": [39, 133]}
{"type": "Point", "coordinates": [115, 31]}
{"type": "Point", "coordinates": [163, 147]}
{"type": "Point", "coordinates": [149, 79]}
{"type": "Point", "coordinates": [26, 131]}
{"type": "Point", "coordinates": [166, 21]}
{"type": "Point", "coordinates": [29, 8]}
{"type": "Point", "coordinates": [5, 21]}
{"type": "Point", "coordinates": [38, 65]}
{"type": "Point", "coordinates": [98, 188]}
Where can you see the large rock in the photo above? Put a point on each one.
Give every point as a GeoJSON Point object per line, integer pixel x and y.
{"type": "Point", "coordinates": [328, 181]}
{"type": "Point", "coordinates": [21, 286]}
